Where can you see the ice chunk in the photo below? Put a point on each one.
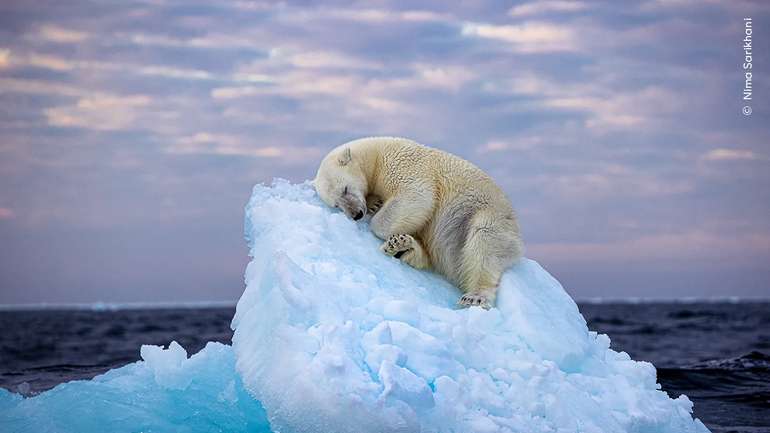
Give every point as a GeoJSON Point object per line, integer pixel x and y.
{"type": "Point", "coordinates": [333, 336]}
{"type": "Point", "coordinates": [405, 386]}
{"type": "Point", "coordinates": [167, 392]}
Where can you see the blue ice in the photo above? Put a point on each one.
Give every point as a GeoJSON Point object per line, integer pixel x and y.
{"type": "Point", "coordinates": [165, 392]}
{"type": "Point", "coordinates": [333, 336]}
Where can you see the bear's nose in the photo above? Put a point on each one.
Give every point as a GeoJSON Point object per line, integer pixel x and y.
{"type": "Point", "coordinates": [358, 216]}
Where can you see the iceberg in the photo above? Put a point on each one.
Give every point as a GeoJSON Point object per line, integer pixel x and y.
{"type": "Point", "coordinates": [332, 336]}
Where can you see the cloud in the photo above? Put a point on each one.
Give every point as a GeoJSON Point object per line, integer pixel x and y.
{"type": "Point", "coordinates": [5, 55]}
{"type": "Point", "coordinates": [103, 112]}
{"type": "Point", "coordinates": [371, 16]}
{"type": "Point", "coordinates": [38, 87]}
{"type": "Point", "coordinates": [208, 41]}
{"type": "Point", "coordinates": [442, 77]}
{"type": "Point", "coordinates": [316, 80]}
{"type": "Point", "coordinates": [259, 6]}
{"type": "Point", "coordinates": [222, 144]}
{"type": "Point", "coordinates": [61, 64]}
{"type": "Point", "coordinates": [316, 90]}
{"type": "Point", "coordinates": [44, 61]}
{"type": "Point", "coordinates": [546, 6]}
{"type": "Point", "coordinates": [56, 34]}
{"type": "Point", "coordinates": [608, 181]}
{"type": "Point", "coordinates": [321, 60]}
{"type": "Point", "coordinates": [169, 72]}
{"type": "Point", "coordinates": [206, 143]}
{"type": "Point", "coordinates": [518, 144]}
{"type": "Point", "coordinates": [529, 37]}
{"type": "Point", "coordinates": [48, 62]}
{"type": "Point", "coordinates": [743, 7]}
{"type": "Point", "coordinates": [614, 112]}
{"type": "Point", "coordinates": [379, 15]}
{"type": "Point", "coordinates": [235, 92]}
{"type": "Point", "coordinates": [608, 108]}
{"type": "Point", "coordinates": [694, 243]}
{"type": "Point", "coordinates": [6, 213]}
{"type": "Point", "coordinates": [57, 63]}
{"type": "Point", "coordinates": [730, 155]}
{"type": "Point", "coordinates": [251, 78]}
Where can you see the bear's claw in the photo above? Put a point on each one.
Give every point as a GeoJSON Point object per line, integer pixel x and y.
{"type": "Point", "coordinates": [474, 299]}
{"type": "Point", "coordinates": [373, 204]}
{"type": "Point", "coordinates": [397, 245]}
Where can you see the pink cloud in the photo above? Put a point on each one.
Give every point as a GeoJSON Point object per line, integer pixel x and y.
{"type": "Point", "coordinates": [706, 245]}
{"type": "Point", "coordinates": [6, 213]}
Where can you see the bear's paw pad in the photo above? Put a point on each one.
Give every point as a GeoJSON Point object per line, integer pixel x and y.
{"type": "Point", "coordinates": [397, 245]}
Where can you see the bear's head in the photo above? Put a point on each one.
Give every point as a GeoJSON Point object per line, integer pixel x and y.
{"type": "Point", "coordinates": [341, 182]}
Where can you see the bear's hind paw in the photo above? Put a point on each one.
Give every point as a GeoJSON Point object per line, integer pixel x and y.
{"type": "Point", "coordinates": [474, 299]}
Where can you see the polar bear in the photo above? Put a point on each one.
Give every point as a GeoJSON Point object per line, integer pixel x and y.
{"type": "Point", "coordinates": [434, 210]}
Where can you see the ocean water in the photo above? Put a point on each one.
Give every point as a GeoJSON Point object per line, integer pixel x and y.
{"type": "Point", "coordinates": [716, 353]}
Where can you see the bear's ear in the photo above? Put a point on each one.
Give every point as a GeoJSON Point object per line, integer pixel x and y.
{"type": "Point", "coordinates": [346, 157]}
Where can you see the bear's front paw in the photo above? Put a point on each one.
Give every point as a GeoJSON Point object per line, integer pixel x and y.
{"type": "Point", "coordinates": [475, 299]}
{"type": "Point", "coordinates": [373, 204]}
{"type": "Point", "coordinates": [397, 245]}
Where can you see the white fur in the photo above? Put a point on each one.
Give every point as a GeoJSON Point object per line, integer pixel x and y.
{"type": "Point", "coordinates": [434, 210]}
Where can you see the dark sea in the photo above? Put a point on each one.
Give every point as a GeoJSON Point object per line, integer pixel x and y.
{"type": "Point", "coordinates": [718, 354]}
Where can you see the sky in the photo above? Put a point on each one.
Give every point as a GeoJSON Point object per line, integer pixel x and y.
{"type": "Point", "coordinates": [132, 132]}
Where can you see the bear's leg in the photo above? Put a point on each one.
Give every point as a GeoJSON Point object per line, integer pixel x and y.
{"type": "Point", "coordinates": [491, 247]}
{"type": "Point", "coordinates": [406, 213]}
{"type": "Point", "coordinates": [407, 249]}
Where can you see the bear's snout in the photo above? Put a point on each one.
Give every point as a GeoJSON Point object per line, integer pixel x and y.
{"type": "Point", "coordinates": [353, 207]}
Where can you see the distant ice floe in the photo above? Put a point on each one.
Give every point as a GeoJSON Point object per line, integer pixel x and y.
{"type": "Point", "coordinates": [333, 336]}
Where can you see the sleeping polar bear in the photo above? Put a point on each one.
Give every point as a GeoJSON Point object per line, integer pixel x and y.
{"type": "Point", "coordinates": [433, 210]}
